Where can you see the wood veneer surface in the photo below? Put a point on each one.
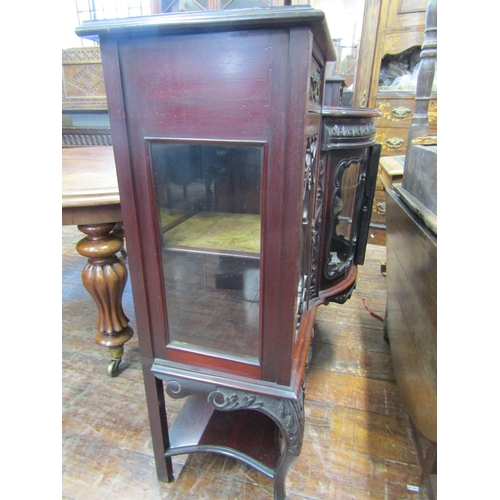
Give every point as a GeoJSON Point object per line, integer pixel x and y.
{"type": "Point", "coordinates": [357, 443]}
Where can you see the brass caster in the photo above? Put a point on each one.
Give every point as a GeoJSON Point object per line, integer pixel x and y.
{"type": "Point", "coordinates": [113, 366]}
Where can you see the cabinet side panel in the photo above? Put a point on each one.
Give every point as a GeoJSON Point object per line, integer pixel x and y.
{"type": "Point", "coordinates": [153, 387]}
{"type": "Point", "coordinates": [222, 87]}
{"type": "Point", "coordinates": [296, 87]}
{"type": "Point", "coordinates": [112, 75]}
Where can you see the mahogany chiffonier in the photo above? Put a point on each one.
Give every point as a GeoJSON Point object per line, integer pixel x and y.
{"type": "Point", "coordinates": [245, 204]}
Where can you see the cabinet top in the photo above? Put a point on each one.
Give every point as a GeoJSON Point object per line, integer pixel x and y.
{"type": "Point", "coordinates": [213, 21]}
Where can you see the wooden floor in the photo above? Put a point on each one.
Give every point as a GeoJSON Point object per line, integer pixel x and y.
{"type": "Point", "coordinates": [357, 445]}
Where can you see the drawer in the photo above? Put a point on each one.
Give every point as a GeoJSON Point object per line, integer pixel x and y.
{"type": "Point", "coordinates": [398, 112]}
{"type": "Point", "coordinates": [390, 170]}
{"type": "Point", "coordinates": [395, 112]}
{"type": "Point", "coordinates": [393, 140]}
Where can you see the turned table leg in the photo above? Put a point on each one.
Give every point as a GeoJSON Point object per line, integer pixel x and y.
{"type": "Point", "coordinates": [104, 277]}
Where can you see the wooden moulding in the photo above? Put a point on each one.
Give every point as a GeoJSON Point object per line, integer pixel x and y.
{"type": "Point", "coordinates": [348, 128]}
{"type": "Point", "coordinates": [210, 21]}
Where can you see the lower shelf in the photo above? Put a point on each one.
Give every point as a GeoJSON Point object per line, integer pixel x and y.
{"type": "Point", "coordinates": [247, 435]}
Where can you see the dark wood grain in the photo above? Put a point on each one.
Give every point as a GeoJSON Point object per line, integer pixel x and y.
{"type": "Point", "coordinates": [412, 312]}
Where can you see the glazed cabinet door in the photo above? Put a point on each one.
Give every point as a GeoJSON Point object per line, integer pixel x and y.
{"type": "Point", "coordinates": [200, 5]}
{"type": "Point", "coordinates": [208, 197]}
{"type": "Point", "coordinates": [351, 165]}
{"type": "Point", "coordinates": [215, 188]}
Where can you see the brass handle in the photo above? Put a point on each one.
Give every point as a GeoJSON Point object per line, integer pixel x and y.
{"type": "Point", "coordinates": [394, 142]}
{"type": "Point", "coordinates": [362, 104]}
{"type": "Point", "coordinates": [401, 112]}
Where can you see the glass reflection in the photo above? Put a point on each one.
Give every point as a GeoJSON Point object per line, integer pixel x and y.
{"type": "Point", "coordinates": [343, 216]}
{"type": "Point", "coordinates": [208, 200]}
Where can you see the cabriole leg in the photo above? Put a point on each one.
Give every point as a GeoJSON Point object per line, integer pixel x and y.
{"type": "Point", "coordinates": [287, 414]}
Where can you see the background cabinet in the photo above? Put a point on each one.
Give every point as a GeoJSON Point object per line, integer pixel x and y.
{"type": "Point", "coordinates": [391, 39]}
{"type": "Point", "coordinates": [392, 36]}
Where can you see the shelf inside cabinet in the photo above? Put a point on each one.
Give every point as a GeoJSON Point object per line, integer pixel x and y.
{"type": "Point", "coordinates": [247, 435]}
{"type": "Point", "coordinates": [218, 233]}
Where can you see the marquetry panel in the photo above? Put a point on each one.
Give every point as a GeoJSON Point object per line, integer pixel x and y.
{"type": "Point", "coordinates": [82, 80]}
{"type": "Point", "coordinates": [397, 111]}
{"type": "Point", "coordinates": [395, 43]}
{"type": "Point", "coordinates": [406, 14]}
{"type": "Point", "coordinates": [395, 119]}
{"type": "Point", "coordinates": [393, 140]}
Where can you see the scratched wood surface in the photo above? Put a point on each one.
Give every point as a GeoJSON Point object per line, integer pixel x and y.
{"type": "Point", "coordinates": [357, 444]}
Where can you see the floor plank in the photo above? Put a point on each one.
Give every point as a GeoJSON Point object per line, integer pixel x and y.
{"type": "Point", "coordinates": [357, 444]}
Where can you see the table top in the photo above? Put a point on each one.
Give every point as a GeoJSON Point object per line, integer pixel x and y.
{"type": "Point", "coordinates": [89, 185]}
{"type": "Point", "coordinates": [89, 176]}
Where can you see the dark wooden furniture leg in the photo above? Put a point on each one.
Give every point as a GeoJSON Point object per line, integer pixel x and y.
{"type": "Point", "coordinates": [427, 456]}
{"type": "Point", "coordinates": [265, 432]}
{"type": "Point", "coordinates": [104, 277]}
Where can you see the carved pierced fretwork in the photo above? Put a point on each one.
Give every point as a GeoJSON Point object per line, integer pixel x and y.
{"type": "Point", "coordinates": [287, 413]}
{"type": "Point", "coordinates": [307, 225]}
{"type": "Point", "coordinates": [339, 249]}
{"type": "Point", "coordinates": [316, 231]}
{"type": "Point", "coordinates": [314, 87]}
{"type": "Point", "coordinates": [234, 401]}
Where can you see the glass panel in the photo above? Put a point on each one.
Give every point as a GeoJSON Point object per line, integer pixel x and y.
{"type": "Point", "coordinates": [343, 214]}
{"type": "Point", "coordinates": [183, 5]}
{"type": "Point", "coordinates": [399, 72]}
{"type": "Point", "coordinates": [244, 4]}
{"type": "Point", "coordinates": [209, 199]}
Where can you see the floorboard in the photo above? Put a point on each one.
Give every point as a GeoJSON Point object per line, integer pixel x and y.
{"type": "Point", "coordinates": [357, 445]}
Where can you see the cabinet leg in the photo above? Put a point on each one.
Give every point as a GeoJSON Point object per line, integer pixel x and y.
{"type": "Point", "coordinates": [279, 479]}
{"type": "Point", "coordinates": [288, 416]}
{"type": "Point", "coordinates": [290, 419]}
{"type": "Point", "coordinates": [104, 277]}
{"type": "Point", "coordinates": [158, 422]}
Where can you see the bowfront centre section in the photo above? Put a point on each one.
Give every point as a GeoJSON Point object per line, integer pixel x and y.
{"type": "Point", "coordinates": [239, 219]}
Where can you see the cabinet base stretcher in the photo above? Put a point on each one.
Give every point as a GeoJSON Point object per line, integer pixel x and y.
{"type": "Point", "coordinates": [263, 431]}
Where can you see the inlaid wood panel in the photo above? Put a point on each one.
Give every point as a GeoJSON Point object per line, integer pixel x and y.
{"type": "Point", "coordinates": [83, 80]}
{"type": "Point", "coordinates": [397, 111]}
